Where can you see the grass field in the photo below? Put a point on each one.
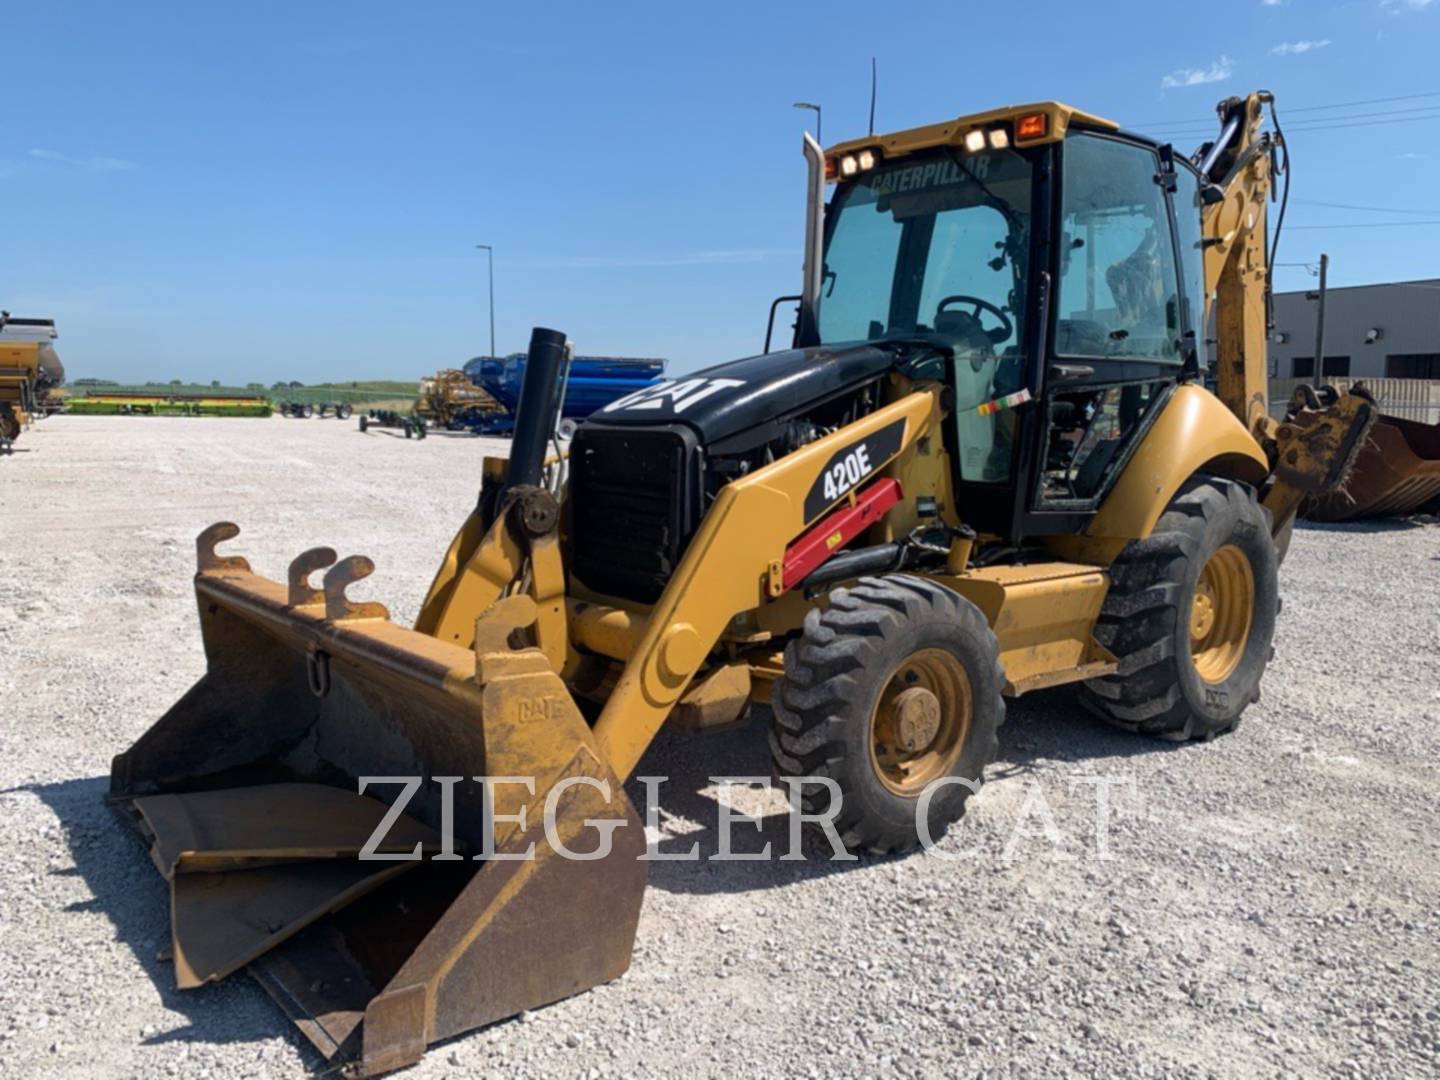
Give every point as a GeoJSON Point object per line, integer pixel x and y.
{"type": "Point", "coordinates": [395, 394]}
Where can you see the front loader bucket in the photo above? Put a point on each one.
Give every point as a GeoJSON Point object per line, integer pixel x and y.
{"type": "Point", "coordinates": [1396, 472]}
{"type": "Point", "coordinates": [313, 803]}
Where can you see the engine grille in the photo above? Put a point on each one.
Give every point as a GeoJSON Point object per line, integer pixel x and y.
{"type": "Point", "coordinates": [634, 503]}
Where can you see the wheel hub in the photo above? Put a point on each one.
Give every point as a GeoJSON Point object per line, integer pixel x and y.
{"type": "Point", "coordinates": [1202, 612]}
{"type": "Point", "coordinates": [920, 724]}
{"type": "Point", "coordinates": [917, 718]}
{"type": "Point", "coordinates": [1221, 614]}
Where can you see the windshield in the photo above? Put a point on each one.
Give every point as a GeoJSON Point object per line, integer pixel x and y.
{"type": "Point", "coordinates": [936, 246]}
{"type": "Point", "coordinates": [933, 244]}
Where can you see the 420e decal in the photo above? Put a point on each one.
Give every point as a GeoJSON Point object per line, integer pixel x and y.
{"type": "Point", "coordinates": [849, 466]}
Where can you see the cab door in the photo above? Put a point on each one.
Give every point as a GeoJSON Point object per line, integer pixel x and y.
{"type": "Point", "coordinates": [1122, 331]}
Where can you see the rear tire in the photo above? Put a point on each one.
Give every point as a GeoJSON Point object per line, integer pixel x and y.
{"type": "Point", "coordinates": [893, 686]}
{"type": "Point", "coordinates": [1190, 616]}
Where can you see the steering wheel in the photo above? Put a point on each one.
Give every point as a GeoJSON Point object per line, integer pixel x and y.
{"type": "Point", "coordinates": [999, 334]}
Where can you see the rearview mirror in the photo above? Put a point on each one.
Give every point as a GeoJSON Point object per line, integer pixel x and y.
{"type": "Point", "coordinates": [775, 304]}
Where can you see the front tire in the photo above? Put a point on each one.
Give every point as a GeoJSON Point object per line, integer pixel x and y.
{"type": "Point", "coordinates": [1190, 616]}
{"type": "Point", "coordinates": [892, 687]}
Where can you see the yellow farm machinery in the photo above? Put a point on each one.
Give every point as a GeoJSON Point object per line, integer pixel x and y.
{"type": "Point", "coordinates": [29, 370]}
{"type": "Point", "coordinates": [449, 398]}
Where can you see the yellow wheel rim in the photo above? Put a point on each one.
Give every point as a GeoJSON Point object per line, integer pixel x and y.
{"type": "Point", "coordinates": [1221, 614]}
{"type": "Point", "coordinates": [921, 722]}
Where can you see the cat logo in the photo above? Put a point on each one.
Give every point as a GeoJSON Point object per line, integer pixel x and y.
{"type": "Point", "coordinates": [930, 175]}
{"type": "Point", "coordinates": [538, 710]}
{"type": "Point", "coordinates": [678, 394]}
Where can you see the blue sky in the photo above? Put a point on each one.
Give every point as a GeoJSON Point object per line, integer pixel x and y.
{"type": "Point", "coordinates": [265, 190]}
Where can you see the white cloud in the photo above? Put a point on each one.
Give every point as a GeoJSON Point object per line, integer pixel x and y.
{"type": "Point", "coordinates": [1395, 7]}
{"type": "Point", "coordinates": [1271, 3]}
{"type": "Point", "coordinates": [1219, 71]}
{"type": "Point", "coordinates": [90, 164]}
{"type": "Point", "coordinates": [1295, 48]}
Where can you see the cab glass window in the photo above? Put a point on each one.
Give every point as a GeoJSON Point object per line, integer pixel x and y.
{"type": "Point", "coordinates": [1119, 294]}
{"type": "Point", "coordinates": [1088, 434]}
{"type": "Point", "coordinates": [859, 275]}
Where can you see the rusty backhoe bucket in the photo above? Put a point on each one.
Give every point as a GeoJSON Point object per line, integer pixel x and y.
{"type": "Point", "coordinates": [376, 933]}
{"type": "Point", "coordinates": [1397, 472]}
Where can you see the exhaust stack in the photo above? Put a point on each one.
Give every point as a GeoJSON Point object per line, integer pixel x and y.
{"type": "Point", "coordinates": [538, 408]}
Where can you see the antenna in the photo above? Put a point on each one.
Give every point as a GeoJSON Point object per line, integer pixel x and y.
{"type": "Point", "coordinates": [872, 95]}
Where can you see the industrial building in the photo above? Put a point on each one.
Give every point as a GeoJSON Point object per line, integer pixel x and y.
{"type": "Point", "coordinates": [1390, 330]}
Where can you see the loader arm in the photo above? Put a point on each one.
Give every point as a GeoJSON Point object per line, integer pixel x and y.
{"type": "Point", "coordinates": [1313, 449]}
{"type": "Point", "coordinates": [1236, 262]}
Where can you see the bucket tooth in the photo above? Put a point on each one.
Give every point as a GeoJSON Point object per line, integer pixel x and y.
{"type": "Point", "coordinates": [493, 631]}
{"type": "Point", "coordinates": [298, 576]}
{"type": "Point", "coordinates": [205, 556]}
{"type": "Point", "coordinates": [340, 577]}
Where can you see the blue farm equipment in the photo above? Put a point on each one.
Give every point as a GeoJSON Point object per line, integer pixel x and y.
{"type": "Point", "coordinates": [591, 383]}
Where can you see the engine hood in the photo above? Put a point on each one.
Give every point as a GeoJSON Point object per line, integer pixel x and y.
{"type": "Point", "coordinates": [721, 401]}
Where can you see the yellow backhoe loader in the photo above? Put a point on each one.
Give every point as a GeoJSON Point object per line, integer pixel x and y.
{"type": "Point", "coordinates": [989, 464]}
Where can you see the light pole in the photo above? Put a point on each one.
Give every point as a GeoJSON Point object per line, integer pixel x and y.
{"type": "Point", "coordinates": [1320, 325]}
{"type": "Point", "coordinates": [816, 110]}
{"type": "Point", "coordinates": [490, 256]}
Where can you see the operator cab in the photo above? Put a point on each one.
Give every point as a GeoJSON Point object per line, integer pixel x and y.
{"type": "Point", "coordinates": [1063, 275]}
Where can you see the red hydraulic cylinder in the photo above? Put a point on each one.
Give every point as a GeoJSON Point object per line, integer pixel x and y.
{"type": "Point", "coordinates": [834, 532]}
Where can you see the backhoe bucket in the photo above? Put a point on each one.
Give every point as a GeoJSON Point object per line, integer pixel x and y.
{"type": "Point", "coordinates": [1397, 472]}
{"type": "Point", "coordinates": [314, 802]}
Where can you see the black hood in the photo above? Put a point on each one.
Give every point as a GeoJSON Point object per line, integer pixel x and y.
{"type": "Point", "coordinates": [721, 401]}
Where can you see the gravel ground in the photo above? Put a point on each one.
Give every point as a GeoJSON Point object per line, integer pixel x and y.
{"type": "Point", "coordinates": [1265, 904]}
